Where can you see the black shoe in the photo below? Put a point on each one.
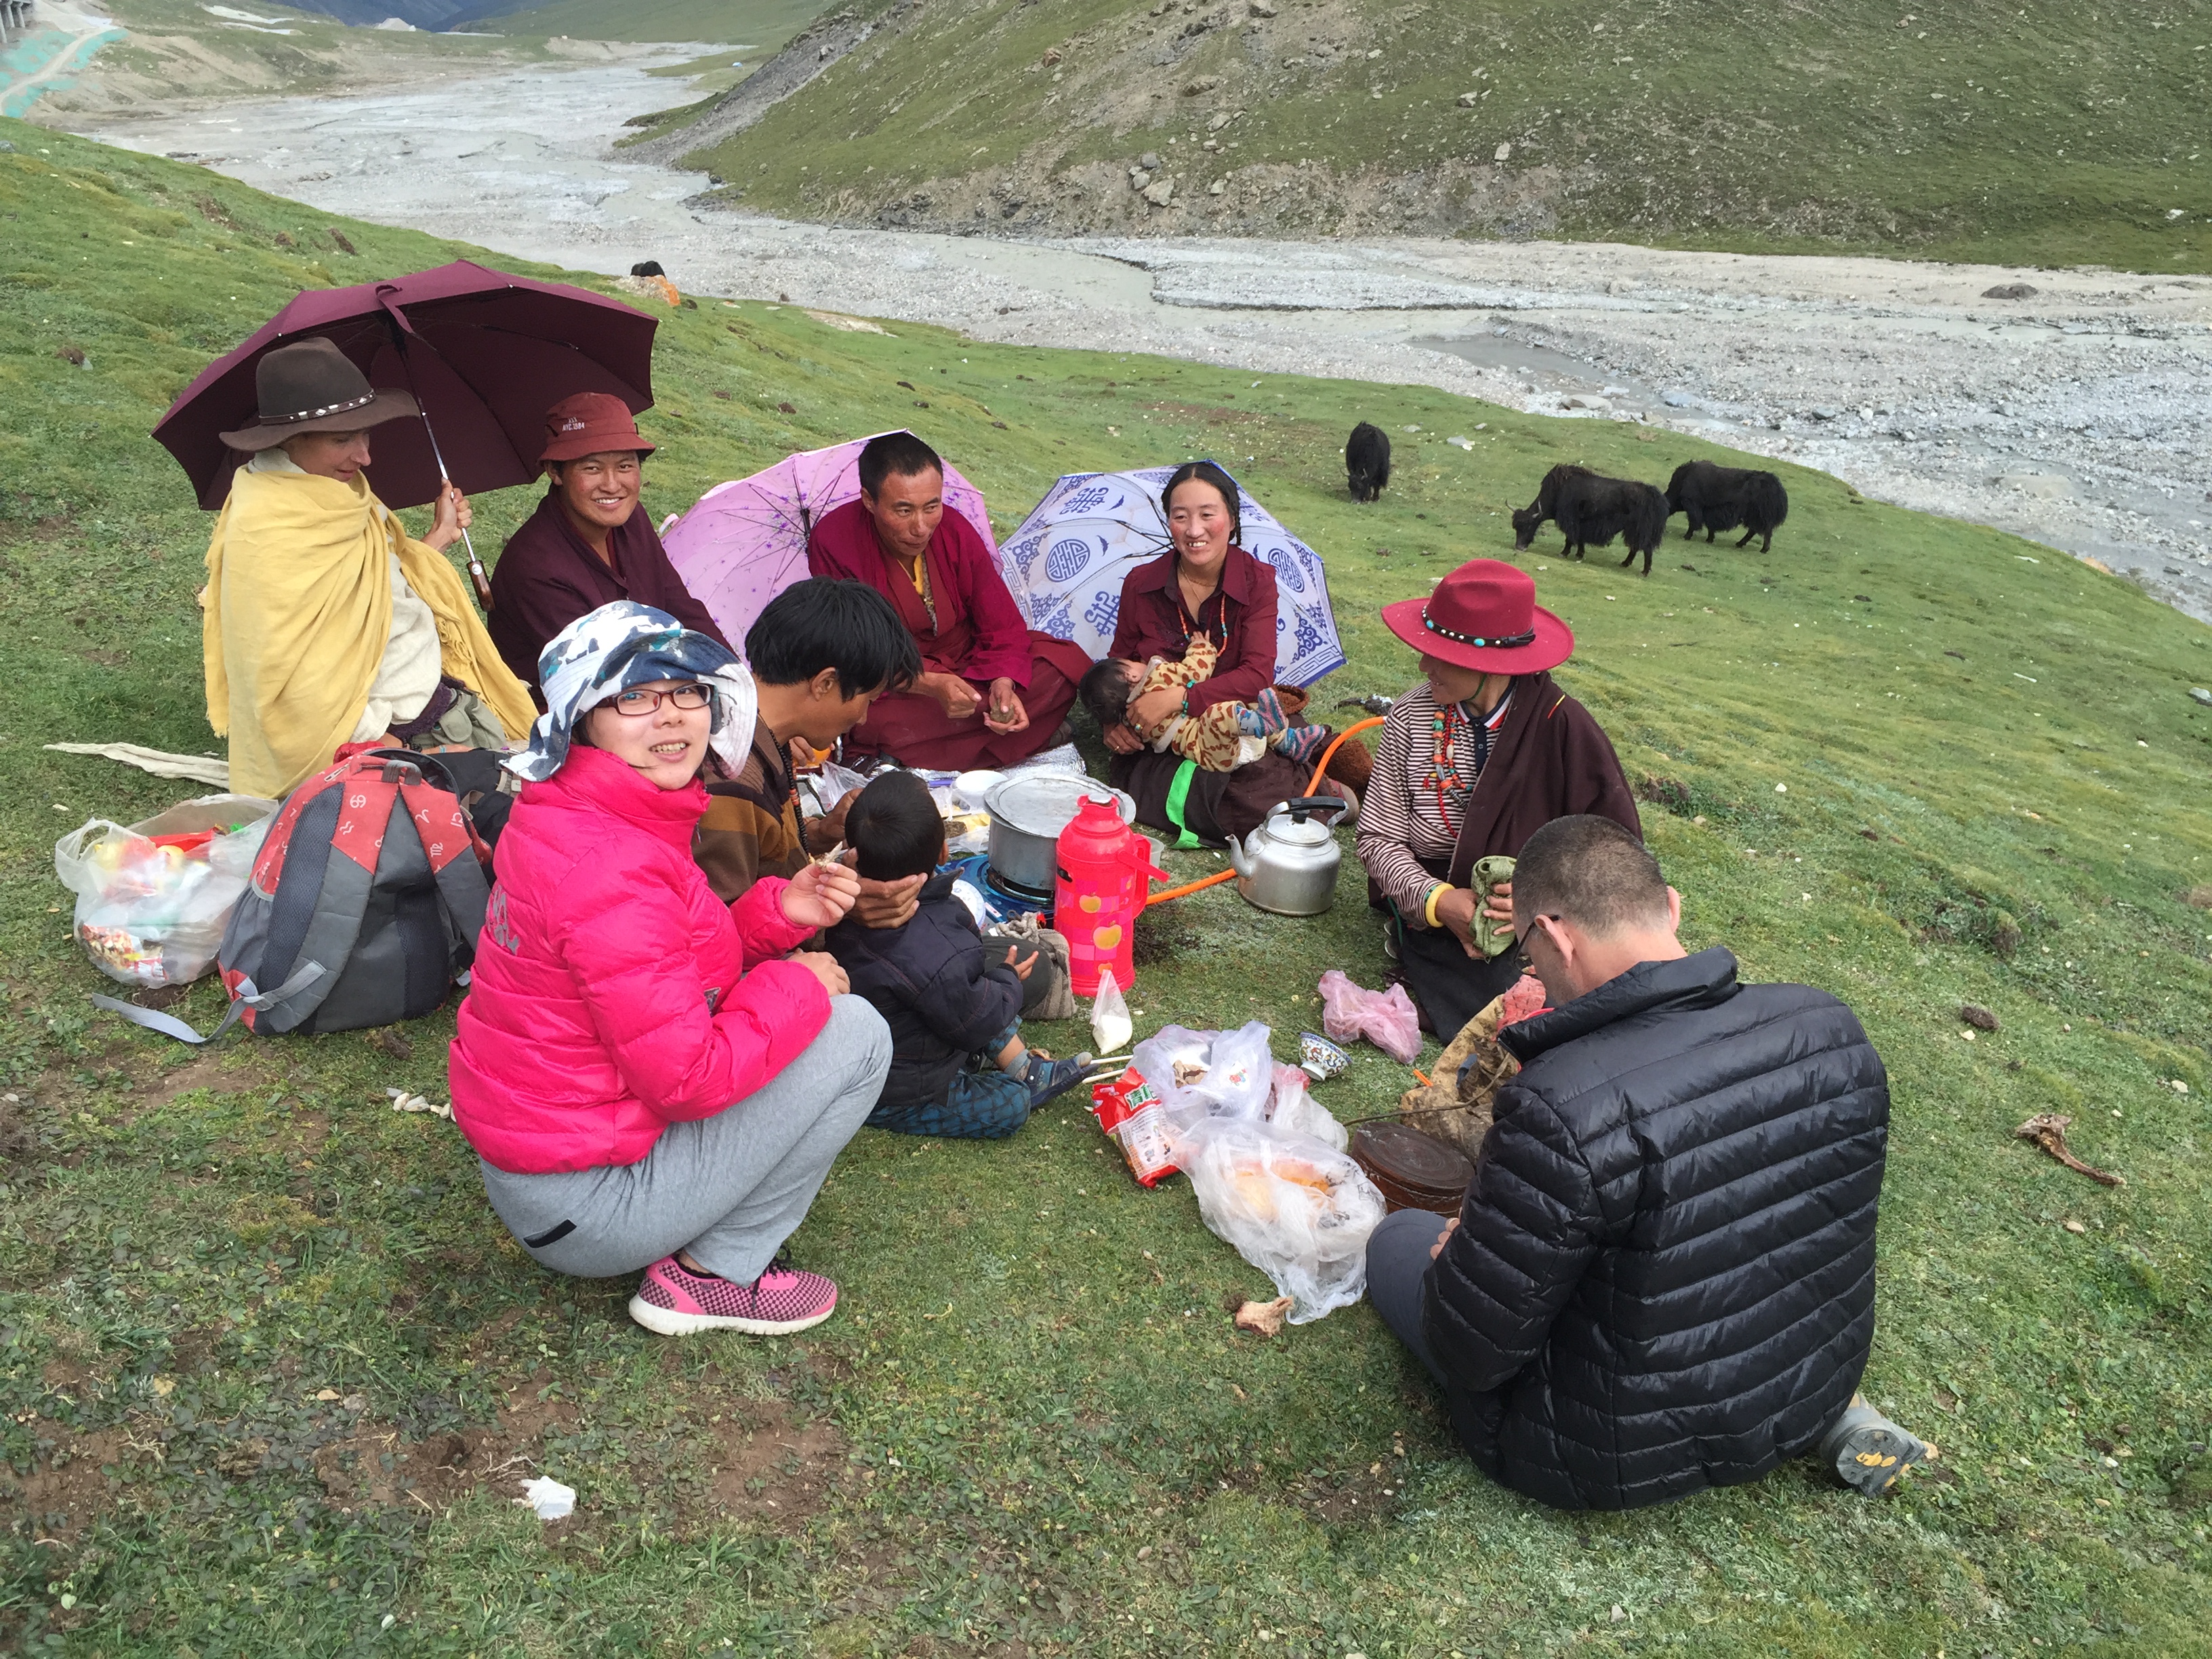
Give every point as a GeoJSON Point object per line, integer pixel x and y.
{"type": "Point", "coordinates": [1050, 1078]}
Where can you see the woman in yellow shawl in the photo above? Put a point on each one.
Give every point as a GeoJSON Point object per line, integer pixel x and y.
{"type": "Point", "coordinates": [326, 624]}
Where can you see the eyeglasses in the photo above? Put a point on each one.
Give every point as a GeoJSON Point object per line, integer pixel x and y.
{"type": "Point", "coordinates": [638, 702]}
{"type": "Point", "coordinates": [1521, 939]}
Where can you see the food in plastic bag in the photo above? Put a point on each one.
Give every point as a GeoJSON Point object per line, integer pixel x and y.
{"type": "Point", "coordinates": [1129, 1110]}
{"type": "Point", "coordinates": [1221, 1073]}
{"type": "Point", "coordinates": [1293, 1207]}
{"type": "Point", "coordinates": [1294, 1109]}
{"type": "Point", "coordinates": [1111, 1028]}
{"type": "Point", "coordinates": [967, 834]}
{"type": "Point", "coordinates": [153, 899]}
{"type": "Point", "coordinates": [1386, 1019]}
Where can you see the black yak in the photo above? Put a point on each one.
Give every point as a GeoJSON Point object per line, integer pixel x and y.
{"type": "Point", "coordinates": [1723, 497]}
{"type": "Point", "coordinates": [1590, 510]}
{"type": "Point", "coordinates": [1367, 461]}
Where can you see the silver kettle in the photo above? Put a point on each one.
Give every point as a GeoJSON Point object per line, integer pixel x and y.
{"type": "Point", "coordinates": [1289, 864]}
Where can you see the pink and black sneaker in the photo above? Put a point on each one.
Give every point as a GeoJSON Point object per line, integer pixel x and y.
{"type": "Point", "coordinates": [676, 1302]}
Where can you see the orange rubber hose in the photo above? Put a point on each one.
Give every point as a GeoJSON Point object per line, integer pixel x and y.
{"type": "Point", "coordinates": [1219, 876]}
{"type": "Point", "coordinates": [1329, 753]}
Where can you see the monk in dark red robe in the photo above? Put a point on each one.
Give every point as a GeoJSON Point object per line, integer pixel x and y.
{"type": "Point", "coordinates": [590, 543]}
{"type": "Point", "coordinates": [992, 692]}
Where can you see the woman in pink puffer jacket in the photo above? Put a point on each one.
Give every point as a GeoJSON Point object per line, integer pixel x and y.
{"type": "Point", "coordinates": [652, 1079]}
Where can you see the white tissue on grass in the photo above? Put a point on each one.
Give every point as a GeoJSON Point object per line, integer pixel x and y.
{"type": "Point", "coordinates": [552, 1500]}
{"type": "Point", "coordinates": [403, 1101]}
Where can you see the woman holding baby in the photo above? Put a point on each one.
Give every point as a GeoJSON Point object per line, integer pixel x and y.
{"type": "Point", "coordinates": [1206, 587]}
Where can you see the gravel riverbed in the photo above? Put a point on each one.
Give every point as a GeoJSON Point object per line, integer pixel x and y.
{"type": "Point", "coordinates": [2078, 415]}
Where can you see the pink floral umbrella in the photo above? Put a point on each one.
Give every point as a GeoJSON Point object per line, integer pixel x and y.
{"type": "Point", "coordinates": [742, 543]}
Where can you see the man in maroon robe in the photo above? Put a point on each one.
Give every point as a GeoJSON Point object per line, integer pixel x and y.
{"type": "Point", "coordinates": [590, 543]}
{"type": "Point", "coordinates": [992, 692]}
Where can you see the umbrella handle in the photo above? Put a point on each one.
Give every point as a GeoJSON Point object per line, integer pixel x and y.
{"type": "Point", "coordinates": [478, 579]}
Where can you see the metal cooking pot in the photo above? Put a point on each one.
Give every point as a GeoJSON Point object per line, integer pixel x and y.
{"type": "Point", "coordinates": [1028, 812]}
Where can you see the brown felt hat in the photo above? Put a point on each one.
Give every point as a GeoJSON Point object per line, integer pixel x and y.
{"type": "Point", "coordinates": [312, 386]}
{"type": "Point", "coordinates": [590, 423]}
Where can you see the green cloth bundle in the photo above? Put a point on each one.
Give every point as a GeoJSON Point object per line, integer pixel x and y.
{"type": "Point", "coordinates": [1491, 938]}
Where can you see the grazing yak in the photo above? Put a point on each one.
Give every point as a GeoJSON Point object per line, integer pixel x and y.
{"type": "Point", "coordinates": [1367, 461]}
{"type": "Point", "coordinates": [1723, 497]}
{"type": "Point", "coordinates": [1590, 510]}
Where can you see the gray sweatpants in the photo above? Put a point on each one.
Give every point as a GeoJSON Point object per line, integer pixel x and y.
{"type": "Point", "coordinates": [730, 1189]}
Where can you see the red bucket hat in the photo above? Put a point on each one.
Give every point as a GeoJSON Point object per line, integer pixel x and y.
{"type": "Point", "coordinates": [1485, 616]}
{"type": "Point", "coordinates": [590, 423]}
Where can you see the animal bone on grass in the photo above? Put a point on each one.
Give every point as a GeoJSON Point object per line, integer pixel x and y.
{"type": "Point", "coordinates": [2048, 1131]}
{"type": "Point", "coordinates": [1265, 1318]}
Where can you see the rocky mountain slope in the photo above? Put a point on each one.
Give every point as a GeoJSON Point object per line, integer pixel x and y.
{"type": "Point", "coordinates": [2067, 133]}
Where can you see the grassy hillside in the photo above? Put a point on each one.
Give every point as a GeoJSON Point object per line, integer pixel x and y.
{"type": "Point", "coordinates": [246, 1310]}
{"type": "Point", "coordinates": [766, 24]}
{"type": "Point", "coordinates": [175, 49]}
{"type": "Point", "coordinates": [2065, 132]}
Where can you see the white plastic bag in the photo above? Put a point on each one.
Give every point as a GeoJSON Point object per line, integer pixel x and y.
{"type": "Point", "coordinates": [551, 1499]}
{"type": "Point", "coordinates": [1296, 1112]}
{"type": "Point", "coordinates": [822, 790]}
{"type": "Point", "coordinates": [151, 915]}
{"type": "Point", "coordinates": [1295, 1208]}
{"type": "Point", "coordinates": [1112, 1027]}
{"type": "Point", "coordinates": [1209, 1073]}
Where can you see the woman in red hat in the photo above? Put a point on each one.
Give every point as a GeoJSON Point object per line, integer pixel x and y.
{"type": "Point", "coordinates": [590, 543]}
{"type": "Point", "coordinates": [1483, 753]}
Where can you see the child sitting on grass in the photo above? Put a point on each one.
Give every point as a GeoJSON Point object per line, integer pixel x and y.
{"type": "Point", "coordinates": [958, 1067]}
{"type": "Point", "coordinates": [1220, 739]}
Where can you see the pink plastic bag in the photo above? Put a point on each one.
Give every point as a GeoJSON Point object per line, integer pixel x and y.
{"type": "Point", "coordinates": [1386, 1019]}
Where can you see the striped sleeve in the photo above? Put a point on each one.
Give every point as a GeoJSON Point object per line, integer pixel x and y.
{"type": "Point", "coordinates": [1385, 814]}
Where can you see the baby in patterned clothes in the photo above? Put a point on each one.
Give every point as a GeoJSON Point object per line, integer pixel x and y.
{"type": "Point", "coordinates": [1219, 739]}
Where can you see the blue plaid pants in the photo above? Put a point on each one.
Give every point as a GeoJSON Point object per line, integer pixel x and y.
{"type": "Point", "coordinates": [980, 1103]}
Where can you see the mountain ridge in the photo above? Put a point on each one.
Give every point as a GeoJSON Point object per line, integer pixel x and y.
{"type": "Point", "coordinates": [1985, 134]}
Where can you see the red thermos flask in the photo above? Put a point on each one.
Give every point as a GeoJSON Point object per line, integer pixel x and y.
{"type": "Point", "coordinates": [1103, 876]}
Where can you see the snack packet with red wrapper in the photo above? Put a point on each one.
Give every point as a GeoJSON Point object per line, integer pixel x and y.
{"type": "Point", "coordinates": [1130, 1112]}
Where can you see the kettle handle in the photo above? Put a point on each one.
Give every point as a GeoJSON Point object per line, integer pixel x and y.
{"type": "Point", "coordinates": [1306, 806]}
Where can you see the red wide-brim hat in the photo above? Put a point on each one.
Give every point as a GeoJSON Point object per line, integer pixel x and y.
{"type": "Point", "coordinates": [1485, 616]}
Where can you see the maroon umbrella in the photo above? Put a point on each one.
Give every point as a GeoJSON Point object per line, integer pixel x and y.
{"type": "Point", "coordinates": [485, 354]}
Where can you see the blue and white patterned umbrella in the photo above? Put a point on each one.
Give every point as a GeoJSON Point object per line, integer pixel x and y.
{"type": "Point", "coordinates": [1066, 562]}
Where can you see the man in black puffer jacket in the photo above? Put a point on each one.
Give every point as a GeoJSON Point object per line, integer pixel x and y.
{"type": "Point", "coordinates": [1662, 1277]}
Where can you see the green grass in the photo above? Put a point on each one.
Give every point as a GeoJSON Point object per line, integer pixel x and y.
{"type": "Point", "coordinates": [231, 1285]}
{"type": "Point", "coordinates": [765, 24]}
{"type": "Point", "coordinates": [2065, 132]}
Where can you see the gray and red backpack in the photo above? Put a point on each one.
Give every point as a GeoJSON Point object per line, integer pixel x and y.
{"type": "Point", "coordinates": [364, 907]}
{"type": "Point", "coordinates": [365, 904]}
